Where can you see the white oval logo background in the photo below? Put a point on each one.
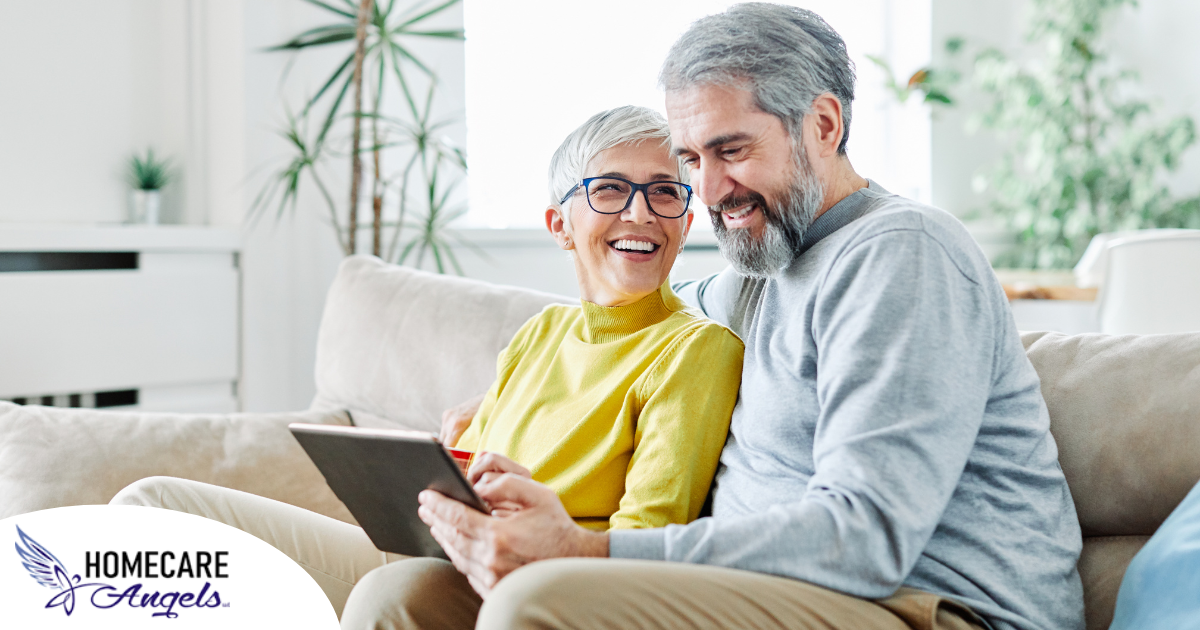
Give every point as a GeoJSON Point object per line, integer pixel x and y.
{"type": "Point", "coordinates": [264, 587]}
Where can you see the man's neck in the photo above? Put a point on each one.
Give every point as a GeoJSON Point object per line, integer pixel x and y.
{"type": "Point", "coordinates": [842, 183]}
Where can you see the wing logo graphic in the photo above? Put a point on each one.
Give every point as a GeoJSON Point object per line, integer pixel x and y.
{"type": "Point", "coordinates": [47, 570]}
{"type": "Point", "coordinates": [50, 572]}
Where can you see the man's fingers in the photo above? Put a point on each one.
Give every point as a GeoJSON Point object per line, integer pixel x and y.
{"type": "Point", "coordinates": [441, 508]}
{"type": "Point", "coordinates": [515, 490]}
{"type": "Point", "coordinates": [479, 586]}
{"type": "Point", "coordinates": [488, 462]}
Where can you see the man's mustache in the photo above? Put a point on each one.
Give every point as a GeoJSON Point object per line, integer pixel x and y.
{"type": "Point", "coordinates": [730, 204]}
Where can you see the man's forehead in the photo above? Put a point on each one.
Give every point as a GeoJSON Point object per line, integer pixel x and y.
{"type": "Point", "coordinates": [706, 116]}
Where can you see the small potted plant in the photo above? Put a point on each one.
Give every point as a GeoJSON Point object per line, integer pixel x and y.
{"type": "Point", "coordinates": [147, 176]}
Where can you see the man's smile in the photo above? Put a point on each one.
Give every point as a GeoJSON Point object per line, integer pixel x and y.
{"type": "Point", "coordinates": [740, 216]}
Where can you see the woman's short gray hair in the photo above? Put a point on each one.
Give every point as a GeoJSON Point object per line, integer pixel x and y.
{"type": "Point", "coordinates": [789, 56]}
{"type": "Point", "coordinates": [622, 125]}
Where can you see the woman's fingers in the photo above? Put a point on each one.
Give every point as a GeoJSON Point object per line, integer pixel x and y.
{"type": "Point", "coordinates": [455, 420]}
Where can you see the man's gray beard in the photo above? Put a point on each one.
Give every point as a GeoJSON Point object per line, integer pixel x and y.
{"type": "Point", "coordinates": [783, 233]}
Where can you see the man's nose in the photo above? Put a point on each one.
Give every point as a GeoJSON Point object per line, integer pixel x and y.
{"type": "Point", "coordinates": [712, 182]}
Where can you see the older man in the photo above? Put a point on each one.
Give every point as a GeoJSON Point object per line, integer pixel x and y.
{"type": "Point", "coordinates": [889, 464]}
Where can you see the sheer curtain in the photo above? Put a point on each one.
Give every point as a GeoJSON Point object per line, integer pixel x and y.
{"type": "Point", "coordinates": [536, 69]}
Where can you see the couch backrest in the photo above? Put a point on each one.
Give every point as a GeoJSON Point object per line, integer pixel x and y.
{"type": "Point", "coordinates": [398, 346]}
{"type": "Point", "coordinates": [1125, 411]}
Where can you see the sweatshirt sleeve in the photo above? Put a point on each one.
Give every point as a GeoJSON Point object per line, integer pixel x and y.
{"type": "Point", "coordinates": [712, 295]}
{"type": "Point", "coordinates": [905, 358]}
{"type": "Point", "coordinates": [689, 396]}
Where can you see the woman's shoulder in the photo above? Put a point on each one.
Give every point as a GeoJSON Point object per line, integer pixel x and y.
{"type": "Point", "coordinates": [551, 317]}
{"type": "Point", "coordinates": [697, 343]}
{"type": "Point", "coordinates": [554, 314]}
{"type": "Point", "coordinates": [693, 326]}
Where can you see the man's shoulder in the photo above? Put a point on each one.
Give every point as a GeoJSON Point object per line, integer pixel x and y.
{"type": "Point", "coordinates": [893, 217]}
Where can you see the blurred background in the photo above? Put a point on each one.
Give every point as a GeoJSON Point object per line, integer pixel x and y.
{"type": "Point", "coordinates": [176, 176]}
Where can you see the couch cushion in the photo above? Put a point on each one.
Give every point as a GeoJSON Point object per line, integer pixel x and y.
{"type": "Point", "coordinates": [1125, 411]}
{"type": "Point", "coordinates": [55, 457]}
{"type": "Point", "coordinates": [398, 346]}
{"type": "Point", "coordinates": [1160, 588]}
{"type": "Point", "coordinates": [1101, 567]}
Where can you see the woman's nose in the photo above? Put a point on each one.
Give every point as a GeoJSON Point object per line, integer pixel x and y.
{"type": "Point", "coordinates": [639, 209]}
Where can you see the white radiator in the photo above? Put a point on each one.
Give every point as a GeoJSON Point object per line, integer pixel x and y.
{"type": "Point", "coordinates": [136, 317]}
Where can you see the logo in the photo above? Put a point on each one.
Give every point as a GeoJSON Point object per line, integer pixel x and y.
{"type": "Point", "coordinates": [121, 567]}
{"type": "Point", "coordinates": [44, 567]}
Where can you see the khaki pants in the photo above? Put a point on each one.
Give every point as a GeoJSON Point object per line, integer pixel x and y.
{"type": "Point", "coordinates": [371, 589]}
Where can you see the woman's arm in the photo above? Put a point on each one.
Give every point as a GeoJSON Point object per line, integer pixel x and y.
{"type": "Point", "coordinates": [689, 395]}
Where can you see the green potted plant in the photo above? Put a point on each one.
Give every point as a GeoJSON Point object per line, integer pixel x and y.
{"type": "Point", "coordinates": [147, 176]}
{"type": "Point", "coordinates": [374, 40]}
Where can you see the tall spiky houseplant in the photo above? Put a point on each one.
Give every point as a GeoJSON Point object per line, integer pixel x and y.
{"type": "Point", "coordinates": [1083, 156]}
{"type": "Point", "coordinates": [380, 58]}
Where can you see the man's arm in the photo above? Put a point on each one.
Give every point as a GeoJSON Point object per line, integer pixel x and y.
{"type": "Point", "coordinates": [714, 295]}
{"type": "Point", "coordinates": [905, 352]}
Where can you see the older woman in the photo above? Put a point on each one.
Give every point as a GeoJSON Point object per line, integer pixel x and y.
{"type": "Point", "coordinates": [621, 405]}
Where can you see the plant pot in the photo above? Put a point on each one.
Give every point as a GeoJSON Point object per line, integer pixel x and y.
{"type": "Point", "coordinates": [144, 206]}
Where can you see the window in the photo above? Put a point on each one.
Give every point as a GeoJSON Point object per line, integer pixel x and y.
{"type": "Point", "coordinates": [536, 69]}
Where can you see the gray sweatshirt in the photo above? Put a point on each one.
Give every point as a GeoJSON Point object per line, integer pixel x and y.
{"type": "Point", "coordinates": [889, 430]}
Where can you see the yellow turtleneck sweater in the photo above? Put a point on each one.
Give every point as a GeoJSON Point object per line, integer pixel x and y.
{"type": "Point", "coordinates": [623, 411]}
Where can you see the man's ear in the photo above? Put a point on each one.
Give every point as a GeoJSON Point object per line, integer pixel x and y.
{"type": "Point", "coordinates": [558, 229]}
{"type": "Point", "coordinates": [825, 122]}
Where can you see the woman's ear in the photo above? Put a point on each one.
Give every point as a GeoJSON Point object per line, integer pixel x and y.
{"type": "Point", "coordinates": [687, 227]}
{"type": "Point", "coordinates": [558, 229]}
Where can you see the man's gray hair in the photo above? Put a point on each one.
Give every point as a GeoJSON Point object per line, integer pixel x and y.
{"type": "Point", "coordinates": [789, 56]}
{"type": "Point", "coordinates": [622, 125]}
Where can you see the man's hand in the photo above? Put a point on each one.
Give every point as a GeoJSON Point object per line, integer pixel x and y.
{"type": "Point", "coordinates": [532, 526]}
{"type": "Point", "coordinates": [489, 466]}
{"type": "Point", "coordinates": [456, 419]}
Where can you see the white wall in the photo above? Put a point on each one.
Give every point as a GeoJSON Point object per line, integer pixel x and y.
{"type": "Point", "coordinates": [89, 83]}
{"type": "Point", "coordinates": [1156, 38]}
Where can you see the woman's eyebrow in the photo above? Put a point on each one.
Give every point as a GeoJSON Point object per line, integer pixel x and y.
{"type": "Point", "coordinates": [654, 178]}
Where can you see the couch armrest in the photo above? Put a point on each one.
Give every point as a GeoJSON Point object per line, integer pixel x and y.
{"type": "Point", "coordinates": [51, 457]}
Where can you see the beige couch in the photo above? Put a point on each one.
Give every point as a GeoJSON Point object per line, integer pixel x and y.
{"type": "Point", "coordinates": [397, 346]}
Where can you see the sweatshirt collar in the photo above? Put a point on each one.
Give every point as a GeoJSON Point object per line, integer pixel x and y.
{"type": "Point", "coordinates": [841, 214]}
{"type": "Point", "coordinates": [602, 324]}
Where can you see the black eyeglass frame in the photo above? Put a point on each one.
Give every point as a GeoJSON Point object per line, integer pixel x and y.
{"type": "Point", "coordinates": [634, 188]}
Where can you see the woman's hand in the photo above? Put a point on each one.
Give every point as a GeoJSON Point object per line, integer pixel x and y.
{"type": "Point", "coordinates": [456, 419]}
{"type": "Point", "coordinates": [489, 466]}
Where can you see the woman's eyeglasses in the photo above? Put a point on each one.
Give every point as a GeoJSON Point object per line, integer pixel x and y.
{"type": "Point", "coordinates": [613, 195]}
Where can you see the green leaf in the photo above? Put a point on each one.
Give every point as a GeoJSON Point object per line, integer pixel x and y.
{"type": "Point", "coordinates": [342, 12]}
{"type": "Point", "coordinates": [458, 34]}
{"type": "Point", "coordinates": [934, 96]}
{"type": "Point", "coordinates": [332, 79]}
{"type": "Point", "coordinates": [319, 36]}
{"type": "Point", "coordinates": [431, 12]}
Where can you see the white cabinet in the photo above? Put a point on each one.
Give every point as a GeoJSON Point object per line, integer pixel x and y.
{"type": "Point", "coordinates": [142, 317]}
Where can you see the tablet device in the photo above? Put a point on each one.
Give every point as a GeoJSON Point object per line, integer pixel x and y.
{"type": "Point", "coordinates": [378, 474]}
